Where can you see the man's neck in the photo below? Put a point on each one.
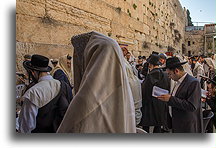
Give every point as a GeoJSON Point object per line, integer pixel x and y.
{"type": "Point", "coordinates": [42, 74]}
{"type": "Point", "coordinates": [181, 75]}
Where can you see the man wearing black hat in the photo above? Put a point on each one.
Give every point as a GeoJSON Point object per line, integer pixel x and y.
{"type": "Point", "coordinates": [185, 99]}
{"type": "Point", "coordinates": [211, 101]}
{"type": "Point", "coordinates": [44, 103]}
{"type": "Point", "coordinates": [154, 111]}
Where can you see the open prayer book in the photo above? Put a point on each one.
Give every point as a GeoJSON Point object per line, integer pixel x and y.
{"type": "Point", "coordinates": [157, 91]}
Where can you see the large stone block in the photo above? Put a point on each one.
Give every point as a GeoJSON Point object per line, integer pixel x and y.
{"type": "Point", "coordinates": [30, 8]}
{"type": "Point", "coordinates": [99, 8]}
{"type": "Point", "coordinates": [48, 50]}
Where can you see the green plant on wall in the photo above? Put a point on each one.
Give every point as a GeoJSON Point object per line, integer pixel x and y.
{"type": "Point", "coordinates": [145, 45]}
{"type": "Point", "coordinates": [109, 34]}
{"type": "Point", "coordinates": [134, 6]}
{"type": "Point", "coordinates": [128, 11]}
{"type": "Point", "coordinates": [118, 9]}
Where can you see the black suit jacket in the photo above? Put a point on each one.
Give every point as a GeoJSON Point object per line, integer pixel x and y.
{"type": "Point", "coordinates": [186, 107]}
{"type": "Point", "coordinates": [154, 111]}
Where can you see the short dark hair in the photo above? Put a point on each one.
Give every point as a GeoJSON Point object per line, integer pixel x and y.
{"type": "Point", "coordinates": [202, 56]}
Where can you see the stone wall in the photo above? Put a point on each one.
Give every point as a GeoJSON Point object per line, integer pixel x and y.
{"type": "Point", "coordinates": [46, 26]}
{"type": "Point", "coordinates": [194, 42]}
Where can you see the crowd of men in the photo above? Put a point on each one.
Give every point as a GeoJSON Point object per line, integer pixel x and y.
{"type": "Point", "coordinates": [107, 90]}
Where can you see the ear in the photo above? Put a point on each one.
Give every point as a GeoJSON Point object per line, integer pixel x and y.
{"type": "Point", "coordinates": [177, 70]}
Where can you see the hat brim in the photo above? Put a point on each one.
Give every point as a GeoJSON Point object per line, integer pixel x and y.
{"type": "Point", "coordinates": [27, 65]}
{"type": "Point", "coordinates": [175, 65]}
{"type": "Point", "coordinates": [157, 63]}
{"type": "Point", "coordinates": [212, 81]}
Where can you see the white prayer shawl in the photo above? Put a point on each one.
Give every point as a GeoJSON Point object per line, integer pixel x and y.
{"type": "Point", "coordinates": [186, 66]}
{"type": "Point", "coordinates": [214, 60]}
{"type": "Point", "coordinates": [43, 92]}
{"type": "Point", "coordinates": [136, 91]}
{"type": "Point", "coordinates": [211, 63]}
{"type": "Point", "coordinates": [198, 70]}
{"type": "Point", "coordinates": [103, 102]}
{"type": "Point", "coordinates": [62, 64]}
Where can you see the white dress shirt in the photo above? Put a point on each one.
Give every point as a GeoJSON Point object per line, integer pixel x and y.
{"type": "Point", "coordinates": [175, 88]}
{"type": "Point", "coordinates": [29, 111]}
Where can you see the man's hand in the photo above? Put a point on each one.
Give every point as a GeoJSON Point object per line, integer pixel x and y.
{"type": "Point", "coordinates": [165, 98]}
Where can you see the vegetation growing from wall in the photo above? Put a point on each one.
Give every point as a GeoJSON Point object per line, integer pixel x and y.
{"type": "Point", "coordinates": [190, 23]}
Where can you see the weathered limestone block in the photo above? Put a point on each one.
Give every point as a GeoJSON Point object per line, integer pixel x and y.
{"type": "Point", "coordinates": [31, 29]}
{"type": "Point", "coordinates": [46, 30]}
{"type": "Point", "coordinates": [94, 6]}
{"type": "Point", "coordinates": [30, 8]}
{"type": "Point", "coordinates": [136, 53]}
{"type": "Point", "coordinates": [139, 36]}
{"type": "Point", "coordinates": [49, 50]}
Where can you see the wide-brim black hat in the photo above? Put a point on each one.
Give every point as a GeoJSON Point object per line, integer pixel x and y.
{"type": "Point", "coordinates": [38, 63]}
{"type": "Point", "coordinates": [174, 62]}
{"type": "Point", "coordinates": [154, 59]}
{"type": "Point", "coordinates": [213, 81]}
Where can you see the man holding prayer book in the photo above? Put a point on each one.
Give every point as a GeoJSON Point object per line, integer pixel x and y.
{"type": "Point", "coordinates": [185, 99]}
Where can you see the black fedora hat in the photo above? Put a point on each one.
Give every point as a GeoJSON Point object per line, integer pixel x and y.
{"type": "Point", "coordinates": [173, 62]}
{"type": "Point", "coordinates": [213, 81]}
{"type": "Point", "coordinates": [154, 59]}
{"type": "Point", "coordinates": [38, 63]}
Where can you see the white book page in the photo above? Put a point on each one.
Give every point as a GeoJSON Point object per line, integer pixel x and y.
{"type": "Point", "coordinates": [157, 91]}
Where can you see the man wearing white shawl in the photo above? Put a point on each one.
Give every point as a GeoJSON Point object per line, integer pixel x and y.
{"type": "Point", "coordinates": [63, 70]}
{"type": "Point", "coordinates": [103, 101]}
{"type": "Point", "coordinates": [209, 67]}
{"type": "Point", "coordinates": [135, 86]}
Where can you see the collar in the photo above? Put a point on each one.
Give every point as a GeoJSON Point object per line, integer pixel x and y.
{"type": "Point", "coordinates": [47, 77]}
{"type": "Point", "coordinates": [182, 78]}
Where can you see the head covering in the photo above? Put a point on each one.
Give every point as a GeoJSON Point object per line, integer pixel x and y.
{"type": "Point", "coordinates": [186, 66]}
{"type": "Point", "coordinates": [154, 59]}
{"type": "Point", "coordinates": [103, 102]}
{"type": "Point", "coordinates": [54, 61]}
{"type": "Point", "coordinates": [154, 52]}
{"type": "Point", "coordinates": [38, 63]}
{"type": "Point", "coordinates": [174, 62]}
{"type": "Point", "coordinates": [62, 64]}
{"type": "Point", "coordinates": [163, 56]}
{"type": "Point", "coordinates": [210, 63]}
{"type": "Point", "coordinates": [213, 81]}
{"type": "Point", "coordinates": [214, 60]}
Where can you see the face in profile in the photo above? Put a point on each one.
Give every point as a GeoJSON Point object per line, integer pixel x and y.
{"type": "Point", "coordinates": [128, 56]}
{"type": "Point", "coordinates": [172, 74]}
{"type": "Point", "coordinates": [68, 63]}
{"type": "Point", "coordinates": [211, 89]}
{"type": "Point", "coordinates": [124, 50]}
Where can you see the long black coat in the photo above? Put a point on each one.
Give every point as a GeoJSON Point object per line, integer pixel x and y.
{"type": "Point", "coordinates": [186, 107]}
{"type": "Point", "coordinates": [154, 111]}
